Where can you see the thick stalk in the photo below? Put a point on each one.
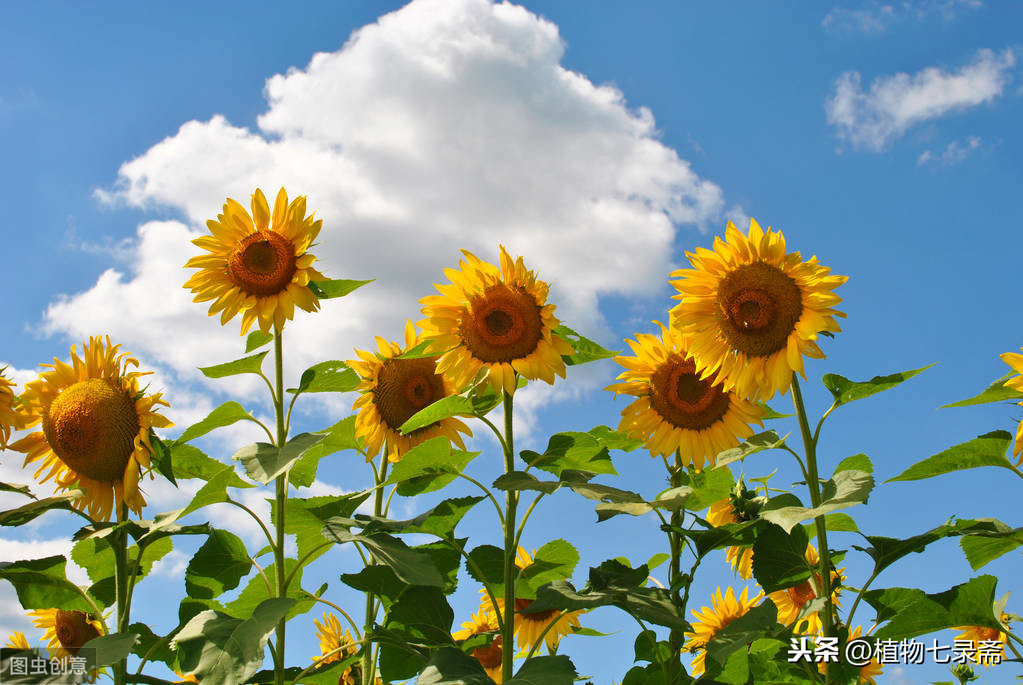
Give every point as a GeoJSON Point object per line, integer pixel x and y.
{"type": "Point", "coordinates": [119, 542]}
{"type": "Point", "coordinates": [368, 667]}
{"type": "Point", "coordinates": [281, 497]}
{"type": "Point", "coordinates": [814, 483]}
{"type": "Point", "coordinates": [510, 550]}
{"type": "Point", "coordinates": [676, 637]}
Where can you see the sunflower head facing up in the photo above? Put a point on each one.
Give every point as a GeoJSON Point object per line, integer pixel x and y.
{"type": "Point", "coordinates": [988, 643]}
{"type": "Point", "coordinates": [258, 264]}
{"type": "Point", "coordinates": [676, 409]}
{"type": "Point", "coordinates": [9, 416]}
{"type": "Point", "coordinates": [751, 310]}
{"type": "Point", "coordinates": [393, 391]}
{"type": "Point", "coordinates": [495, 320]}
{"type": "Point", "coordinates": [1015, 361]}
{"type": "Point", "coordinates": [709, 620]}
{"type": "Point", "coordinates": [489, 656]}
{"type": "Point", "coordinates": [66, 631]}
{"type": "Point", "coordinates": [791, 600]}
{"type": "Point", "coordinates": [95, 425]}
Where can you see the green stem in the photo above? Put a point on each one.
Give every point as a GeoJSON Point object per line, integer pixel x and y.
{"type": "Point", "coordinates": [510, 550]}
{"type": "Point", "coordinates": [281, 497]}
{"type": "Point", "coordinates": [119, 542]}
{"type": "Point", "coordinates": [379, 477]}
{"type": "Point", "coordinates": [813, 482]}
{"type": "Point", "coordinates": [676, 636]}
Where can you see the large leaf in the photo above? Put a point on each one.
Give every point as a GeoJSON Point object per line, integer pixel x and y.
{"type": "Point", "coordinates": [985, 450]}
{"type": "Point", "coordinates": [111, 648]}
{"type": "Point", "coordinates": [451, 666]}
{"type": "Point", "coordinates": [256, 592]}
{"type": "Point", "coordinates": [768, 440]}
{"type": "Point", "coordinates": [444, 408]}
{"type": "Point", "coordinates": [192, 462]}
{"type": "Point", "coordinates": [709, 486]}
{"type": "Point", "coordinates": [545, 670]}
{"type": "Point", "coordinates": [223, 650]}
{"type": "Point", "coordinates": [845, 390]}
{"type": "Point", "coordinates": [306, 518]}
{"type": "Point", "coordinates": [340, 436]}
{"type": "Point", "coordinates": [412, 567]}
{"type": "Point", "coordinates": [263, 462]}
{"type": "Point", "coordinates": [440, 520]}
{"type": "Point", "coordinates": [252, 364]}
{"type": "Point", "coordinates": [43, 584]}
{"type": "Point", "coordinates": [779, 558]}
{"type": "Point", "coordinates": [912, 614]}
{"type": "Point", "coordinates": [429, 466]}
{"type": "Point", "coordinates": [224, 415]}
{"type": "Point", "coordinates": [330, 376]}
{"type": "Point", "coordinates": [554, 561]}
{"type": "Point", "coordinates": [980, 549]}
{"type": "Point", "coordinates": [96, 556]}
{"type": "Point", "coordinates": [486, 565]}
{"type": "Point", "coordinates": [886, 551]}
{"type": "Point", "coordinates": [326, 290]}
{"type": "Point", "coordinates": [846, 489]}
{"type": "Point", "coordinates": [585, 349]}
{"type": "Point", "coordinates": [417, 624]}
{"type": "Point", "coordinates": [27, 512]}
{"type": "Point", "coordinates": [572, 450]}
{"type": "Point", "coordinates": [218, 566]}
{"type": "Point", "coordinates": [996, 392]}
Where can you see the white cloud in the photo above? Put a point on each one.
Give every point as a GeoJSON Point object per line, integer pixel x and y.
{"type": "Point", "coordinates": [447, 124]}
{"type": "Point", "coordinates": [876, 17]}
{"type": "Point", "coordinates": [873, 119]}
{"type": "Point", "coordinates": [954, 152]}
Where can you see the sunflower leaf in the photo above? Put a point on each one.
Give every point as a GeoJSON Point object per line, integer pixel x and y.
{"type": "Point", "coordinates": [768, 440]}
{"type": "Point", "coordinates": [845, 390]}
{"type": "Point", "coordinates": [585, 349]}
{"type": "Point", "coordinates": [845, 489]}
{"type": "Point", "coordinates": [444, 408]}
{"type": "Point", "coordinates": [411, 566]}
{"type": "Point", "coordinates": [15, 487]}
{"type": "Point", "coordinates": [575, 451]}
{"type": "Point", "coordinates": [554, 561]}
{"type": "Point", "coordinates": [306, 516]}
{"type": "Point", "coordinates": [224, 415]}
{"type": "Point", "coordinates": [326, 290]}
{"type": "Point", "coordinates": [111, 648]}
{"type": "Point", "coordinates": [420, 351]}
{"type": "Point", "coordinates": [27, 512]}
{"type": "Point", "coordinates": [256, 340]}
{"type": "Point", "coordinates": [759, 621]}
{"type": "Point", "coordinates": [985, 450]}
{"type": "Point", "coordinates": [914, 613]}
{"type": "Point", "coordinates": [486, 565]}
{"type": "Point", "coordinates": [980, 550]}
{"type": "Point", "coordinates": [520, 480]}
{"type": "Point", "coordinates": [192, 462]}
{"type": "Point", "coordinates": [253, 364]}
{"type": "Point", "coordinates": [43, 584]}
{"type": "Point", "coordinates": [161, 458]}
{"type": "Point", "coordinates": [330, 376]}
{"type": "Point", "coordinates": [440, 520]}
{"type": "Point", "coordinates": [264, 462]}
{"type": "Point", "coordinates": [549, 670]}
{"type": "Point", "coordinates": [218, 566]}
{"type": "Point", "coordinates": [996, 392]}
{"type": "Point", "coordinates": [429, 466]}
{"type": "Point", "coordinates": [451, 666]}
{"type": "Point", "coordinates": [779, 558]}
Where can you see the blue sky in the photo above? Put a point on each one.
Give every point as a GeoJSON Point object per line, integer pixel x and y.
{"type": "Point", "coordinates": [599, 143]}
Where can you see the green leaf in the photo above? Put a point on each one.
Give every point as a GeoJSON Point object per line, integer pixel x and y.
{"type": "Point", "coordinates": [845, 390]}
{"type": "Point", "coordinates": [614, 440]}
{"type": "Point", "coordinates": [444, 408]}
{"type": "Point", "coordinates": [709, 486]}
{"type": "Point", "coordinates": [886, 551]}
{"type": "Point", "coordinates": [15, 487]}
{"type": "Point", "coordinates": [218, 566]}
{"type": "Point", "coordinates": [837, 522]}
{"type": "Point", "coordinates": [161, 457]}
{"type": "Point", "coordinates": [96, 556]}
{"type": "Point", "coordinates": [440, 520]}
{"type": "Point", "coordinates": [451, 666]}
{"type": "Point", "coordinates": [223, 650]}
{"type": "Point", "coordinates": [253, 364]}
{"type": "Point", "coordinates": [554, 561]}
{"type": "Point", "coordinates": [769, 413]}
{"type": "Point", "coordinates": [969, 604]}
{"type": "Point", "coordinates": [43, 584]}
{"type": "Point", "coordinates": [420, 351]}
{"type": "Point", "coordinates": [263, 462]}
{"type": "Point", "coordinates": [985, 450]}
{"type": "Point", "coordinates": [759, 621]}
{"type": "Point", "coordinates": [224, 415]}
{"type": "Point", "coordinates": [652, 605]}
{"type": "Point", "coordinates": [982, 550]}
{"type": "Point", "coordinates": [155, 646]}
{"type": "Point", "coordinates": [111, 648]}
{"type": "Point", "coordinates": [255, 592]}
{"type": "Point", "coordinates": [486, 565]}
{"type": "Point", "coordinates": [520, 480]}
{"type": "Point", "coordinates": [340, 436]}
{"type": "Point", "coordinates": [857, 462]}
{"type": "Point", "coordinates": [331, 376]}
{"type": "Point", "coordinates": [996, 392]}
{"type": "Point", "coordinates": [429, 466]}
{"type": "Point", "coordinates": [768, 440]}
{"type": "Point", "coordinates": [192, 462]}
{"type": "Point", "coordinates": [779, 558]}
{"type": "Point", "coordinates": [846, 489]}
{"type": "Point", "coordinates": [256, 340]}
{"type": "Point", "coordinates": [326, 290]}
{"type": "Point", "coordinates": [306, 517]}
{"type": "Point", "coordinates": [27, 512]}
{"type": "Point", "coordinates": [412, 567]}
{"type": "Point", "coordinates": [545, 670]}
{"type": "Point", "coordinates": [716, 537]}
{"type": "Point", "coordinates": [378, 580]}
{"type": "Point", "coordinates": [572, 450]}
{"type": "Point", "coordinates": [585, 349]}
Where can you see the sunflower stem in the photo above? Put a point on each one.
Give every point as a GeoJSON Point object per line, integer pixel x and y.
{"type": "Point", "coordinates": [676, 637]}
{"type": "Point", "coordinates": [379, 477]}
{"type": "Point", "coordinates": [120, 548]}
{"type": "Point", "coordinates": [510, 550]}
{"type": "Point", "coordinates": [281, 497]}
{"type": "Point", "coordinates": [813, 482]}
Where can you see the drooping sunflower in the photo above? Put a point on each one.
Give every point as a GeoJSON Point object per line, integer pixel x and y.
{"type": "Point", "coordinates": [988, 643]}
{"type": "Point", "coordinates": [741, 558]}
{"type": "Point", "coordinates": [96, 424]}
{"type": "Point", "coordinates": [529, 626]}
{"type": "Point", "coordinates": [490, 656]}
{"type": "Point", "coordinates": [791, 600]}
{"type": "Point", "coordinates": [1015, 360]}
{"type": "Point", "coordinates": [258, 265]}
{"type": "Point", "coordinates": [709, 620]}
{"type": "Point", "coordinates": [495, 320]}
{"type": "Point", "coordinates": [676, 409]}
{"type": "Point", "coordinates": [66, 631]}
{"type": "Point", "coordinates": [393, 390]}
{"type": "Point", "coordinates": [751, 310]}
{"type": "Point", "coordinates": [331, 639]}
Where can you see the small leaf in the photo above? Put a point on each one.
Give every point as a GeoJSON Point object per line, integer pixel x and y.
{"type": "Point", "coordinates": [520, 480]}
{"type": "Point", "coordinates": [837, 522]}
{"type": "Point", "coordinates": [845, 390]}
{"type": "Point", "coordinates": [451, 666]}
{"type": "Point", "coordinates": [985, 450]}
{"type": "Point", "coordinates": [253, 364]}
{"type": "Point", "coordinates": [192, 462]}
{"type": "Point", "coordinates": [486, 565]}
{"type": "Point", "coordinates": [709, 486]}
{"type": "Point", "coordinates": [585, 349]}
{"type": "Point", "coordinates": [263, 462]}
{"type": "Point", "coordinates": [224, 415]}
{"type": "Point", "coordinates": [857, 462]}
{"type": "Point", "coordinates": [331, 376]}
{"type": "Point", "coordinates": [614, 440]}
{"type": "Point", "coordinates": [420, 351]}
{"type": "Point", "coordinates": [768, 440]}
{"type": "Point", "coordinates": [769, 413]}
{"type": "Point", "coordinates": [326, 290]}
{"type": "Point", "coordinates": [161, 457]}
{"type": "Point", "coordinates": [15, 487]}
{"type": "Point", "coordinates": [444, 408]}
{"type": "Point", "coordinates": [554, 561]}
{"type": "Point", "coordinates": [996, 392]}
{"type": "Point", "coordinates": [982, 550]}
{"type": "Point", "coordinates": [743, 631]}
{"type": "Point", "coordinates": [256, 340]}
{"type": "Point", "coordinates": [27, 512]}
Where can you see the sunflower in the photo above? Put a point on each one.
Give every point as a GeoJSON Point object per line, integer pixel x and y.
{"type": "Point", "coordinates": [96, 424]}
{"type": "Point", "coordinates": [988, 643]}
{"type": "Point", "coordinates": [741, 558]}
{"type": "Point", "coordinates": [1015, 360]}
{"type": "Point", "coordinates": [791, 600]}
{"type": "Point", "coordinates": [258, 264]}
{"type": "Point", "coordinates": [726, 608]}
{"type": "Point", "coordinates": [752, 311]}
{"type": "Point", "coordinates": [67, 631]}
{"type": "Point", "coordinates": [331, 639]}
{"type": "Point", "coordinates": [489, 656]}
{"type": "Point", "coordinates": [9, 416]}
{"type": "Point", "coordinates": [494, 320]}
{"type": "Point", "coordinates": [675, 409]}
{"type": "Point", "coordinates": [393, 390]}
{"type": "Point", "coordinates": [17, 641]}
{"type": "Point", "coordinates": [529, 627]}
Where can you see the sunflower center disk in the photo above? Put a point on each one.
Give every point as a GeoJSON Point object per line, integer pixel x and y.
{"type": "Point", "coordinates": [73, 630]}
{"type": "Point", "coordinates": [263, 264]}
{"type": "Point", "coordinates": [490, 656]}
{"type": "Point", "coordinates": [758, 308]}
{"type": "Point", "coordinates": [682, 399]}
{"type": "Point", "coordinates": [503, 325]}
{"type": "Point", "coordinates": [801, 594]}
{"type": "Point", "coordinates": [91, 426]}
{"type": "Point", "coordinates": [404, 386]}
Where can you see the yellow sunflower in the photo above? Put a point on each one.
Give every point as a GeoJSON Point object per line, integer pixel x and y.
{"type": "Point", "coordinates": [17, 641]}
{"type": "Point", "coordinates": [751, 310]}
{"type": "Point", "coordinates": [790, 601]}
{"type": "Point", "coordinates": [529, 627]}
{"type": "Point", "coordinates": [709, 620]}
{"type": "Point", "coordinates": [95, 427]}
{"type": "Point", "coordinates": [393, 390]}
{"type": "Point", "coordinates": [258, 265]}
{"type": "Point", "coordinates": [9, 417]}
{"type": "Point", "coordinates": [67, 631]}
{"type": "Point", "coordinates": [741, 558]}
{"type": "Point", "coordinates": [988, 643]}
{"type": "Point", "coordinates": [490, 656]}
{"type": "Point", "coordinates": [674, 408]}
{"type": "Point", "coordinates": [1015, 360]}
{"type": "Point", "coordinates": [494, 320]}
{"type": "Point", "coordinates": [331, 638]}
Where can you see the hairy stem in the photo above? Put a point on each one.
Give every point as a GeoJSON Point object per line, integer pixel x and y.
{"type": "Point", "coordinates": [281, 498]}
{"type": "Point", "coordinates": [510, 550]}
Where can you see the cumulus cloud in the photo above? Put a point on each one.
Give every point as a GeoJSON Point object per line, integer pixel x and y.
{"type": "Point", "coordinates": [954, 152]}
{"type": "Point", "coordinates": [874, 118]}
{"type": "Point", "coordinates": [878, 17]}
{"type": "Point", "coordinates": [447, 124]}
